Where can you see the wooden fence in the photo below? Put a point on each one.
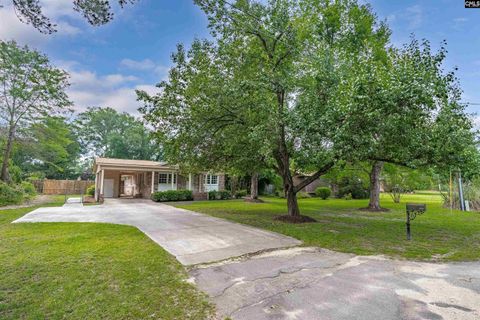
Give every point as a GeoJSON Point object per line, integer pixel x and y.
{"type": "Point", "coordinates": [62, 186]}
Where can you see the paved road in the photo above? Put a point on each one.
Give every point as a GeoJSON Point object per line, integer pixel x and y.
{"type": "Point", "coordinates": [311, 283]}
{"type": "Point", "coordinates": [191, 237]}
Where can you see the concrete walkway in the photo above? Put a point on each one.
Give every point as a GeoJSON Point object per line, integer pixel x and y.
{"type": "Point", "coordinates": [311, 283]}
{"type": "Point", "coordinates": [191, 237]}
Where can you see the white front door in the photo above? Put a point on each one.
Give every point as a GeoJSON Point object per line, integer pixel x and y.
{"type": "Point", "coordinates": [108, 188]}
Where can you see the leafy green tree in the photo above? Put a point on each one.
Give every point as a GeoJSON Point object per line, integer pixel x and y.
{"type": "Point", "coordinates": [96, 12]}
{"type": "Point", "coordinates": [30, 88]}
{"type": "Point", "coordinates": [402, 110]}
{"type": "Point", "coordinates": [399, 179]}
{"type": "Point", "coordinates": [107, 133]}
{"type": "Point", "coordinates": [48, 148]}
{"type": "Point", "coordinates": [286, 58]}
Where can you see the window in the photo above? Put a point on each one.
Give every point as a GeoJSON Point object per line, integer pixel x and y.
{"type": "Point", "coordinates": [211, 179]}
{"type": "Point", "coordinates": [163, 178]}
{"type": "Point", "coordinates": [167, 178]}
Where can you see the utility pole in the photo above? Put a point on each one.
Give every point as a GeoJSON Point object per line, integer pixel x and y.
{"type": "Point", "coordinates": [460, 191]}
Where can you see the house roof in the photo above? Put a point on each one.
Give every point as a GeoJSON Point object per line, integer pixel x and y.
{"type": "Point", "coordinates": [128, 163]}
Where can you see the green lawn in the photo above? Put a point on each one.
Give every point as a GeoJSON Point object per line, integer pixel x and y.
{"type": "Point", "coordinates": [437, 235]}
{"type": "Point", "coordinates": [90, 271]}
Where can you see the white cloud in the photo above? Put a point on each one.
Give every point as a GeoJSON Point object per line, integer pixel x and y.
{"type": "Point", "coordinates": [145, 65]}
{"type": "Point", "coordinates": [391, 18]}
{"type": "Point", "coordinates": [142, 65]}
{"type": "Point", "coordinates": [459, 23]}
{"type": "Point", "coordinates": [57, 10]}
{"type": "Point", "coordinates": [117, 91]}
{"type": "Point", "coordinates": [414, 15]}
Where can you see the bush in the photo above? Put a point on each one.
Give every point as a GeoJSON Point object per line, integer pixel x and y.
{"type": "Point", "coordinates": [347, 196]}
{"type": "Point", "coordinates": [352, 186]}
{"type": "Point", "coordinates": [29, 191]}
{"type": "Point", "coordinates": [240, 194]}
{"type": "Point", "coordinates": [219, 195]}
{"type": "Point", "coordinates": [91, 190]}
{"type": "Point", "coordinates": [323, 192]}
{"type": "Point", "coordinates": [10, 194]}
{"type": "Point", "coordinates": [172, 195]}
{"type": "Point", "coordinates": [303, 195]}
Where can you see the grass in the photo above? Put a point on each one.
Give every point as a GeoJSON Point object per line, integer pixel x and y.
{"type": "Point", "coordinates": [438, 235]}
{"type": "Point", "coordinates": [89, 271]}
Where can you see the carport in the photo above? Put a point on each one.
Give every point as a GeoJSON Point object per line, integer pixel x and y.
{"type": "Point", "coordinates": [116, 178]}
{"type": "Point", "coordinates": [123, 178]}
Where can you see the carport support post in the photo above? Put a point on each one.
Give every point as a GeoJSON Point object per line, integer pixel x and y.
{"type": "Point", "coordinates": [102, 177]}
{"type": "Point", "coordinates": [172, 179]}
{"type": "Point", "coordinates": [153, 181]}
{"type": "Point", "coordinates": [189, 181]}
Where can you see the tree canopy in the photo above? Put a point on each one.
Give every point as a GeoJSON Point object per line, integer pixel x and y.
{"type": "Point", "coordinates": [30, 88]}
{"type": "Point", "coordinates": [107, 133]}
{"type": "Point", "coordinates": [280, 65]}
{"type": "Point", "coordinates": [96, 12]}
{"type": "Point", "coordinates": [48, 149]}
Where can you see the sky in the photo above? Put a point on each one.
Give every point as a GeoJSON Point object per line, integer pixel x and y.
{"type": "Point", "coordinates": [108, 63]}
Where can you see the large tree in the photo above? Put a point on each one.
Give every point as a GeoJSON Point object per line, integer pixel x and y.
{"type": "Point", "coordinates": [403, 110]}
{"type": "Point", "coordinates": [105, 132]}
{"type": "Point", "coordinates": [207, 136]}
{"type": "Point", "coordinates": [30, 88]}
{"type": "Point", "coordinates": [290, 56]}
{"type": "Point", "coordinates": [48, 148]}
{"type": "Point", "coordinates": [96, 12]}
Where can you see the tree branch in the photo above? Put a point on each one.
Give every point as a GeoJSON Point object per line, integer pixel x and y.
{"type": "Point", "coordinates": [314, 176]}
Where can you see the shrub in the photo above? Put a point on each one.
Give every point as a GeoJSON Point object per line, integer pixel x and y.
{"type": "Point", "coordinates": [10, 194]}
{"type": "Point", "coordinates": [91, 190]}
{"type": "Point", "coordinates": [303, 195]}
{"type": "Point", "coordinates": [347, 196]}
{"type": "Point", "coordinates": [323, 192]}
{"type": "Point", "coordinates": [172, 195]}
{"type": "Point", "coordinates": [352, 186]}
{"type": "Point", "coordinates": [240, 194]}
{"type": "Point", "coordinates": [219, 195]}
{"type": "Point", "coordinates": [29, 191]}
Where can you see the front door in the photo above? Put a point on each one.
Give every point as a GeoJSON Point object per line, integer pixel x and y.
{"type": "Point", "coordinates": [108, 188]}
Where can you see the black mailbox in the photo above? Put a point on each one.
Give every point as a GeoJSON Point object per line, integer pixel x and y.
{"type": "Point", "coordinates": [413, 209]}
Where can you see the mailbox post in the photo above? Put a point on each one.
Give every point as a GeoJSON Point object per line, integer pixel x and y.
{"type": "Point", "coordinates": [412, 210]}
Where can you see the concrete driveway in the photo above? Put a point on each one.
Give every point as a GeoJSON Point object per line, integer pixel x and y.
{"type": "Point", "coordinates": [312, 283]}
{"type": "Point", "coordinates": [191, 237]}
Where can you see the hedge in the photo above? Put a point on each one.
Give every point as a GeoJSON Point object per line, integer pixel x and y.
{"type": "Point", "coordinates": [10, 194]}
{"type": "Point", "coordinates": [219, 195]}
{"type": "Point", "coordinates": [172, 195]}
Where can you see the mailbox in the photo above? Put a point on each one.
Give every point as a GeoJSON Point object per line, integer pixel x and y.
{"type": "Point", "coordinates": [413, 209]}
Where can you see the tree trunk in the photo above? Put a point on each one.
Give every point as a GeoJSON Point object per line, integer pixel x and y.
{"type": "Point", "coordinates": [292, 203]}
{"type": "Point", "coordinates": [374, 203]}
{"type": "Point", "coordinates": [5, 176]}
{"type": "Point", "coordinates": [254, 186]}
{"type": "Point", "coordinates": [283, 162]}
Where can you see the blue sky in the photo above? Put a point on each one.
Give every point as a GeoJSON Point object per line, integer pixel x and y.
{"type": "Point", "coordinates": [107, 63]}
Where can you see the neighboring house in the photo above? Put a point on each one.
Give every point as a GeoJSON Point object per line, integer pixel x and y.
{"type": "Point", "coordinates": [115, 178]}
{"type": "Point", "coordinates": [312, 186]}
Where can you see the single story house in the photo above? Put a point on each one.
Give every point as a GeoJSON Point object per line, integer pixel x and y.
{"type": "Point", "coordinates": [319, 182]}
{"type": "Point", "coordinates": [116, 178]}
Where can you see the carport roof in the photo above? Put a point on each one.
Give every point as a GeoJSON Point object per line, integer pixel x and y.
{"type": "Point", "coordinates": [128, 163]}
